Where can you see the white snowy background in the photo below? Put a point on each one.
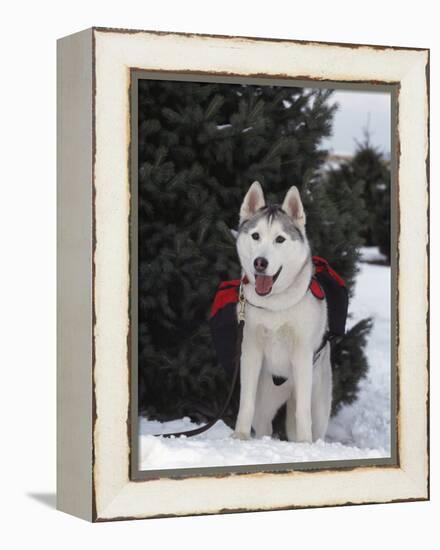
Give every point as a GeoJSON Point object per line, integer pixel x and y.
{"type": "Point", "coordinates": [360, 430]}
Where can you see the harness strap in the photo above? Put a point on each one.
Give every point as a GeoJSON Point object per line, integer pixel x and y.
{"type": "Point", "coordinates": [326, 338]}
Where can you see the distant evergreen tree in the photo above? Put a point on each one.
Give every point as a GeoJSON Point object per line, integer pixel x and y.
{"type": "Point", "coordinates": [200, 147]}
{"type": "Point", "coordinates": [371, 168]}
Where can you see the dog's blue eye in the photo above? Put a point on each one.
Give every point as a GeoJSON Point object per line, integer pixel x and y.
{"type": "Point", "coordinates": [255, 236]}
{"type": "Point", "coordinates": [280, 239]}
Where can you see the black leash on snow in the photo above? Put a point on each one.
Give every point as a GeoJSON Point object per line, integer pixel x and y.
{"type": "Point", "coordinates": [204, 428]}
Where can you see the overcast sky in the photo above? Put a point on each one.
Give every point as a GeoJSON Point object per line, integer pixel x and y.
{"type": "Point", "coordinates": [358, 109]}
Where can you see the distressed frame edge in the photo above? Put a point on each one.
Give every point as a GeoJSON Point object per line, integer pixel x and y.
{"type": "Point", "coordinates": [428, 260]}
{"type": "Point", "coordinates": [231, 511]}
{"type": "Point", "coordinates": [352, 45]}
{"type": "Point", "coordinates": [74, 274]}
{"type": "Point", "coordinates": [95, 515]}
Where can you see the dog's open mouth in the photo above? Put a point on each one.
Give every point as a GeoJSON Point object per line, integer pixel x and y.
{"type": "Point", "coordinates": [264, 283]}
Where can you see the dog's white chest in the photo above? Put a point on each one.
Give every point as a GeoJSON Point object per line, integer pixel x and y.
{"type": "Point", "coordinates": [277, 332]}
{"type": "Point", "coordinates": [280, 331]}
{"type": "Point", "coordinates": [277, 346]}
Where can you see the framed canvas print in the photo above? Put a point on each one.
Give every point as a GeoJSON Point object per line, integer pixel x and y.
{"type": "Point", "coordinates": [242, 274]}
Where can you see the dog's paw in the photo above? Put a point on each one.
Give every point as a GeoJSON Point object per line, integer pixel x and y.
{"type": "Point", "coordinates": [240, 435]}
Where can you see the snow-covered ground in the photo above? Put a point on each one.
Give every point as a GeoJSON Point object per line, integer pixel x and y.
{"type": "Point", "coordinates": [366, 423]}
{"type": "Point", "coordinates": [372, 255]}
{"type": "Point", "coordinates": [360, 430]}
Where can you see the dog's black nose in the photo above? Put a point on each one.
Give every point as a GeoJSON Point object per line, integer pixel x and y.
{"type": "Point", "coordinates": [260, 264]}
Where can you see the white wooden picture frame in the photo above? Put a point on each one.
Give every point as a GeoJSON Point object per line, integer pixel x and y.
{"type": "Point", "coordinates": [94, 286]}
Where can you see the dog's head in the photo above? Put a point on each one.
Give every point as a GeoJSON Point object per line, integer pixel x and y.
{"type": "Point", "coordinates": [271, 241]}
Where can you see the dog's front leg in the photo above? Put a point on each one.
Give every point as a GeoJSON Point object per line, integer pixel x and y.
{"type": "Point", "coordinates": [250, 368]}
{"type": "Point", "coordinates": [302, 365]}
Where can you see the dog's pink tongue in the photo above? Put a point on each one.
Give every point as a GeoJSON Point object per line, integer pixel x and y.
{"type": "Point", "coordinates": [263, 284]}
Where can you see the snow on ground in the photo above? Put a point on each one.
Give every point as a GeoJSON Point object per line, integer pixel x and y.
{"type": "Point", "coordinates": [217, 448]}
{"type": "Point", "coordinates": [371, 254]}
{"type": "Point", "coordinates": [360, 430]}
{"type": "Point", "coordinates": [366, 423]}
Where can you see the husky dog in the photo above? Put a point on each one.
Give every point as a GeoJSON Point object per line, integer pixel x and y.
{"type": "Point", "coordinates": [284, 323]}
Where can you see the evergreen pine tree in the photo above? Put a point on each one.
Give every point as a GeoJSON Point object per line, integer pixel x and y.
{"type": "Point", "coordinates": [200, 147]}
{"type": "Point", "coordinates": [370, 167]}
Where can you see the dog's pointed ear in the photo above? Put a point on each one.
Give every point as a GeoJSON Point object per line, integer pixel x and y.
{"type": "Point", "coordinates": [253, 201]}
{"type": "Point", "coordinates": [292, 205]}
